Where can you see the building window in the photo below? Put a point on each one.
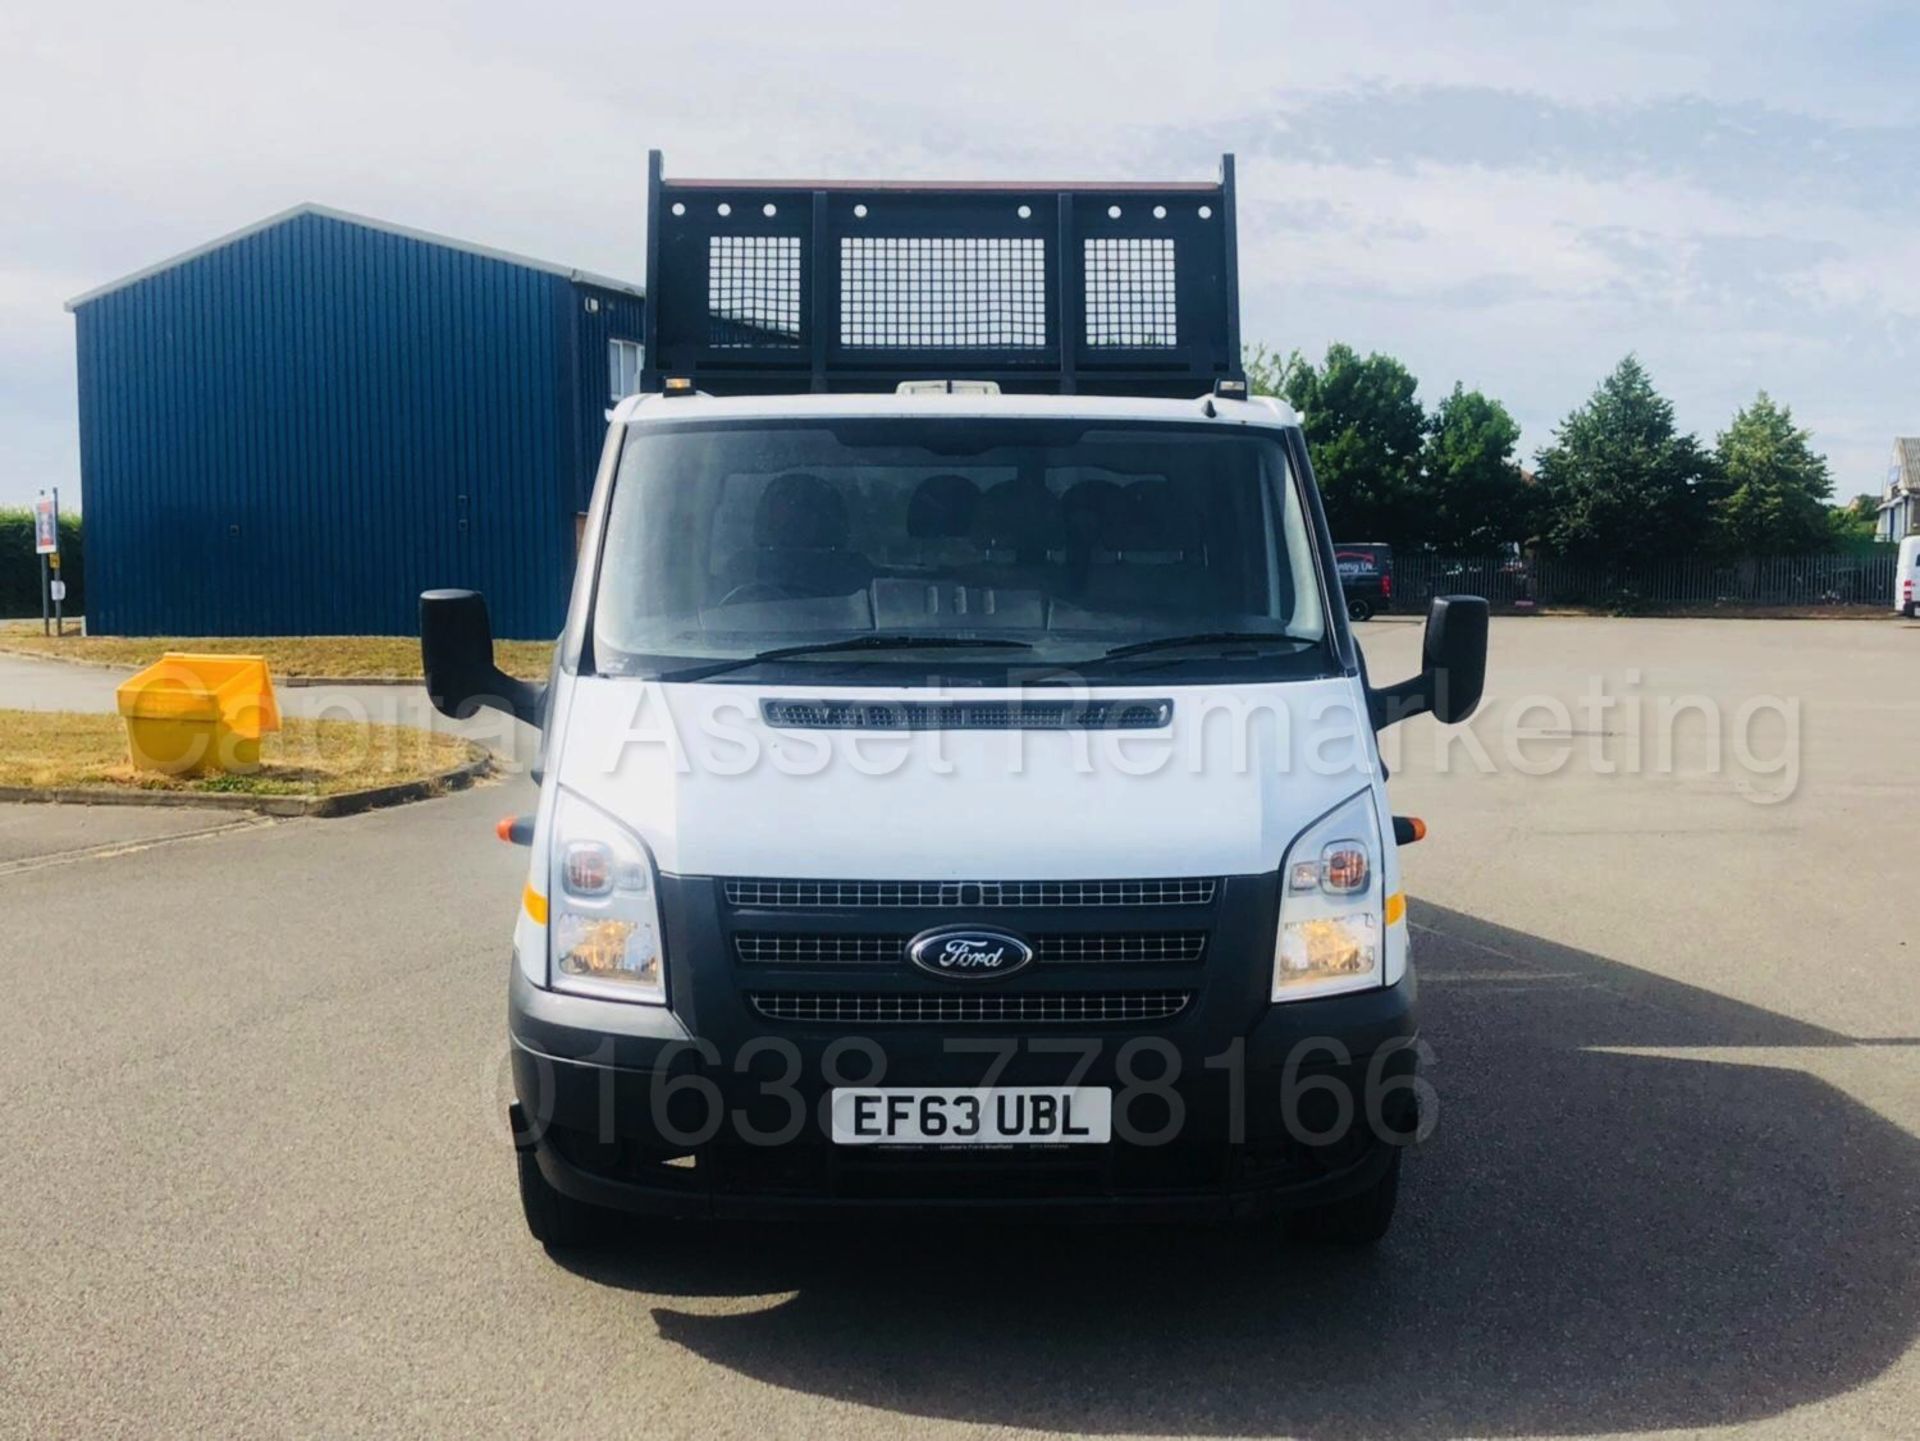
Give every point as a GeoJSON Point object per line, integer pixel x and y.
{"type": "Point", "coordinates": [623, 368]}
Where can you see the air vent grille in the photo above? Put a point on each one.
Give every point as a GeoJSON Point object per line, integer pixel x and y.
{"type": "Point", "coordinates": [967, 715]}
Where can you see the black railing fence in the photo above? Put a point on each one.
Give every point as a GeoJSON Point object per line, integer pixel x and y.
{"type": "Point", "coordinates": [1649, 584]}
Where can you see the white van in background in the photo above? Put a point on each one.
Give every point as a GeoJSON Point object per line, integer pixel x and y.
{"type": "Point", "coordinates": [1906, 578]}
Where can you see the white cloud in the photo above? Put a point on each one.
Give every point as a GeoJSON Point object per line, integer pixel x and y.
{"type": "Point", "coordinates": [129, 132]}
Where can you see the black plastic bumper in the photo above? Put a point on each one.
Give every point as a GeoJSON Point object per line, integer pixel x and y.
{"type": "Point", "coordinates": [625, 1108]}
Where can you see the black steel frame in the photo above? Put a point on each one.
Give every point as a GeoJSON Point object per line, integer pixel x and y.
{"type": "Point", "coordinates": [944, 285]}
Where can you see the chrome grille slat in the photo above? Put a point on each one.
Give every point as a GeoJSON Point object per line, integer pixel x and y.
{"type": "Point", "coordinates": [970, 1008]}
{"type": "Point", "coordinates": [769, 894]}
{"type": "Point", "coordinates": [1120, 947]}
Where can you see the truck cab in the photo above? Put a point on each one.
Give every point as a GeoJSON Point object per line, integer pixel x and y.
{"type": "Point", "coordinates": [959, 785]}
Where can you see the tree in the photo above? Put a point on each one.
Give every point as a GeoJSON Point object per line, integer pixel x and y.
{"type": "Point", "coordinates": [1365, 430]}
{"type": "Point", "coordinates": [1777, 486]}
{"type": "Point", "coordinates": [1267, 370]}
{"type": "Point", "coordinates": [1478, 500]}
{"type": "Point", "coordinates": [1619, 480]}
{"type": "Point", "coordinates": [1856, 523]}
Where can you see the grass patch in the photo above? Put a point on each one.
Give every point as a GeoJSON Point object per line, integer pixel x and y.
{"type": "Point", "coordinates": [286, 655]}
{"type": "Point", "coordinates": [53, 750]}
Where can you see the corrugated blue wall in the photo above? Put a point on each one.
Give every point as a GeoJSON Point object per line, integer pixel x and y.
{"type": "Point", "coordinates": [300, 431]}
{"type": "Point", "coordinates": [601, 316]}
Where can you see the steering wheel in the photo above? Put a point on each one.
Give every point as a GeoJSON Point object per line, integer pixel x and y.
{"type": "Point", "coordinates": [759, 590]}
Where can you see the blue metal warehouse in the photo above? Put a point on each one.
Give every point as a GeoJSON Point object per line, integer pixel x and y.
{"type": "Point", "coordinates": [298, 427]}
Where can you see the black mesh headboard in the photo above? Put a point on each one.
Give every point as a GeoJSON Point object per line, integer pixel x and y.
{"type": "Point", "coordinates": [758, 286]}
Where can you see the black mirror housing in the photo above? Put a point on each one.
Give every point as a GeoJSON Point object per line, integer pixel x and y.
{"type": "Point", "coordinates": [1453, 668]}
{"type": "Point", "coordinates": [1455, 656]}
{"type": "Point", "coordinates": [456, 653]}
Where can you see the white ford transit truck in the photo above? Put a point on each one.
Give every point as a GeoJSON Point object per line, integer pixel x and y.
{"type": "Point", "coordinates": [959, 787]}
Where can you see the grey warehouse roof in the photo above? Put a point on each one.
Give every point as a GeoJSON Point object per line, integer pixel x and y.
{"type": "Point", "coordinates": [582, 277]}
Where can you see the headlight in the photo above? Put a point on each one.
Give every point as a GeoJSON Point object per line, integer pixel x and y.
{"type": "Point", "coordinates": [604, 916]}
{"type": "Point", "coordinates": [1331, 936]}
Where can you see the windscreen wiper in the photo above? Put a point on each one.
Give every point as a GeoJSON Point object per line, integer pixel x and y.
{"type": "Point", "coordinates": [1204, 637]}
{"type": "Point", "coordinates": [903, 641]}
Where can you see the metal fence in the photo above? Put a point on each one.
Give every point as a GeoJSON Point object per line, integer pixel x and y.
{"type": "Point", "coordinates": [1650, 584]}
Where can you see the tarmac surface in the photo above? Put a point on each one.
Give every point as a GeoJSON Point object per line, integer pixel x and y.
{"type": "Point", "coordinates": [260, 1183]}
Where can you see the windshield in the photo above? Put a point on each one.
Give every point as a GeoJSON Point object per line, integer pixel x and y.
{"type": "Point", "coordinates": [876, 549]}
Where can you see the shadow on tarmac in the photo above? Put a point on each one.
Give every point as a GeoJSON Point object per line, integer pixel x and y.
{"type": "Point", "coordinates": [1588, 1242]}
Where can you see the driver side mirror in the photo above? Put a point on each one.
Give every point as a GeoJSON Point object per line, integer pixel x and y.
{"type": "Point", "coordinates": [456, 652]}
{"type": "Point", "coordinates": [1453, 667]}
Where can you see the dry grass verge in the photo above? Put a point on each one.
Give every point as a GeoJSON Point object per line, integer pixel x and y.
{"type": "Point", "coordinates": [59, 750]}
{"type": "Point", "coordinates": [324, 656]}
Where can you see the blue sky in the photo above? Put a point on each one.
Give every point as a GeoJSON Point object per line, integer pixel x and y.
{"type": "Point", "coordinates": [1512, 195]}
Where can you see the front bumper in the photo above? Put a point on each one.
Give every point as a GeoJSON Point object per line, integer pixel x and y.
{"type": "Point", "coordinates": [624, 1107]}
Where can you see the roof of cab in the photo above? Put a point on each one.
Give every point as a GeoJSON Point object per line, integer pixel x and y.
{"type": "Point", "coordinates": [1261, 410]}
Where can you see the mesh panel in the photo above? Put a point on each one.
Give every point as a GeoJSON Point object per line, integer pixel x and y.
{"type": "Point", "coordinates": [753, 292]}
{"type": "Point", "coordinates": [1130, 294]}
{"type": "Point", "coordinates": [962, 293]}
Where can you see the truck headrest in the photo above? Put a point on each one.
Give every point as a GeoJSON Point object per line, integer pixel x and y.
{"type": "Point", "coordinates": [799, 511]}
{"type": "Point", "coordinates": [943, 508]}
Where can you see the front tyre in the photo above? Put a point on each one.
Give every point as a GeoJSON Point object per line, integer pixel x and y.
{"type": "Point", "coordinates": [556, 1220]}
{"type": "Point", "coordinates": [1356, 1221]}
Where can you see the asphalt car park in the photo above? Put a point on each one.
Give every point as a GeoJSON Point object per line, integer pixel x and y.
{"type": "Point", "coordinates": [259, 1179]}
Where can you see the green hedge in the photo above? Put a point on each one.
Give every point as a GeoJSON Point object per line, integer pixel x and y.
{"type": "Point", "coordinates": [20, 567]}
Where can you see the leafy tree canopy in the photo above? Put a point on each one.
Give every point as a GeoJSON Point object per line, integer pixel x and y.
{"type": "Point", "coordinates": [1621, 480]}
{"type": "Point", "coordinates": [1479, 501]}
{"type": "Point", "coordinates": [1854, 524]}
{"type": "Point", "coordinates": [1365, 430]}
{"type": "Point", "coordinates": [1776, 485]}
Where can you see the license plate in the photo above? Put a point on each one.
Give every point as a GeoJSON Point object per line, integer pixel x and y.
{"type": "Point", "coordinates": [973, 1116]}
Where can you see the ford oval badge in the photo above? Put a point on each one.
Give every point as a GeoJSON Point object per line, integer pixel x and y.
{"type": "Point", "coordinates": [968, 954]}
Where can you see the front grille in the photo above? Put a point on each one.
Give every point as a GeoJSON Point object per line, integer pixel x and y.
{"type": "Point", "coordinates": [763, 950]}
{"type": "Point", "coordinates": [1144, 947]}
{"type": "Point", "coordinates": [932, 895]}
{"type": "Point", "coordinates": [864, 1008]}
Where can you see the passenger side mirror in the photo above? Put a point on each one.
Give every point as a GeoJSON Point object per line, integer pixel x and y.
{"type": "Point", "coordinates": [456, 652]}
{"type": "Point", "coordinates": [1453, 667]}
